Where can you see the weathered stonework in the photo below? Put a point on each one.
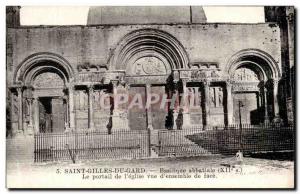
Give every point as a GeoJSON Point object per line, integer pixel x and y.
{"type": "Point", "coordinates": [67, 68]}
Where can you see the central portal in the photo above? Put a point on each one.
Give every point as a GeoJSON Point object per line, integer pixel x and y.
{"type": "Point", "coordinates": [137, 114]}
{"type": "Point", "coordinates": [159, 113]}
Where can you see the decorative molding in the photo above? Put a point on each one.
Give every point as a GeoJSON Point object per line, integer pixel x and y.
{"type": "Point", "coordinates": [205, 65]}
{"type": "Point", "coordinates": [31, 61]}
{"type": "Point", "coordinates": [149, 40]}
{"type": "Point", "coordinates": [87, 67]}
{"type": "Point", "coordinates": [243, 55]}
{"type": "Point", "coordinates": [240, 87]}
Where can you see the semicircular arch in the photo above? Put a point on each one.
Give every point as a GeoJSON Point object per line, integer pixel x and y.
{"type": "Point", "coordinates": [150, 40]}
{"type": "Point", "coordinates": [260, 59]}
{"type": "Point", "coordinates": [43, 61]}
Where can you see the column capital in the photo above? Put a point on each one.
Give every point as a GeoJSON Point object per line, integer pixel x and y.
{"type": "Point", "coordinates": [206, 83]}
{"type": "Point", "coordinates": [148, 86]}
{"type": "Point", "coordinates": [19, 88]}
{"type": "Point", "coordinates": [30, 99]}
{"type": "Point", "coordinates": [70, 86]}
{"type": "Point", "coordinates": [229, 83]}
{"type": "Point", "coordinates": [275, 81]}
{"type": "Point", "coordinates": [90, 87]}
{"type": "Point", "coordinates": [184, 80]}
{"type": "Point", "coordinates": [114, 82]}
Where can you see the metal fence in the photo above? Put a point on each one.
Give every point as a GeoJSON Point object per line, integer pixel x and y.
{"type": "Point", "coordinates": [93, 145]}
{"type": "Point", "coordinates": [226, 140]}
{"type": "Point", "coordinates": [187, 142]}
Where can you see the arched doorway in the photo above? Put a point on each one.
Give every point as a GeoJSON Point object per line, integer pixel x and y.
{"type": "Point", "coordinates": [254, 76]}
{"type": "Point", "coordinates": [247, 95]}
{"type": "Point", "coordinates": [148, 57]}
{"type": "Point", "coordinates": [43, 89]}
{"type": "Point", "coordinates": [147, 77]}
{"type": "Point", "coordinates": [52, 104]}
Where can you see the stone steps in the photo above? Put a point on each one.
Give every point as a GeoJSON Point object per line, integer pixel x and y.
{"type": "Point", "coordinates": [20, 149]}
{"type": "Point", "coordinates": [177, 143]}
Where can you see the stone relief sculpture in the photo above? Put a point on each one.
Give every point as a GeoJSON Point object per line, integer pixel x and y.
{"type": "Point", "coordinates": [216, 96]}
{"type": "Point", "coordinates": [245, 75]}
{"type": "Point", "coordinates": [212, 97]}
{"type": "Point", "coordinates": [220, 94]}
{"type": "Point", "coordinates": [48, 79]}
{"type": "Point", "coordinates": [149, 66]}
{"type": "Point", "coordinates": [81, 100]}
{"type": "Point", "coordinates": [194, 96]}
{"type": "Point", "coordinates": [15, 109]}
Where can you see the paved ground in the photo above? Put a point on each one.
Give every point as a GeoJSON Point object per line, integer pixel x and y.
{"type": "Point", "coordinates": [211, 171]}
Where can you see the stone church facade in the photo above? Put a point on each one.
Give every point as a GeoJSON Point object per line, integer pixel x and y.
{"type": "Point", "coordinates": [57, 74]}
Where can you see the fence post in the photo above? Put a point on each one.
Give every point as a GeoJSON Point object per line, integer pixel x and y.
{"type": "Point", "coordinates": [149, 141]}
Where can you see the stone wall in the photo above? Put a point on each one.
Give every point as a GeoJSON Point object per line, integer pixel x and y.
{"type": "Point", "coordinates": [96, 44]}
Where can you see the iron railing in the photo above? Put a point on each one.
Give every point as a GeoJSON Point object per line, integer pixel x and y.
{"type": "Point", "coordinates": [226, 140]}
{"type": "Point", "coordinates": [192, 141]}
{"type": "Point", "coordinates": [93, 145]}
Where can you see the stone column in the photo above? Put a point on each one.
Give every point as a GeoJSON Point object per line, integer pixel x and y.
{"type": "Point", "coordinates": [36, 114]}
{"type": "Point", "coordinates": [71, 108]}
{"type": "Point", "coordinates": [91, 109]}
{"type": "Point", "coordinates": [119, 115]}
{"type": "Point", "coordinates": [20, 99]}
{"type": "Point", "coordinates": [12, 115]}
{"type": "Point", "coordinates": [30, 125]}
{"type": "Point", "coordinates": [186, 111]}
{"type": "Point", "coordinates": [275, 96]}
{"type": "Point", "coordinates": [148, 110]}
{"type": "Point", "coordinates": [229, 103]}
{"type": "Point", "coordinates": [206, 97]}
{"type": "Point", "coordinates": [67, 121]}
{"type": "Point", "coordinates": [266, 116]}
{"type": "Point", "coordinates": [115, 113]}
{"type": "Point", "coordinates": [176, 106]}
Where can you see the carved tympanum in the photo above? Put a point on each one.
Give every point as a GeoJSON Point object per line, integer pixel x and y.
{"type": "Point", "coordinates": [149, 66]}
{"type": "Point", "coordinates": [48, 80]}
{"type": "Point", "coordinates": [245, 75]}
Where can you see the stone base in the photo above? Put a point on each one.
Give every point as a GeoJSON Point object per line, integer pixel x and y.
{"type": "Point", "coordinates": [69, 130]}
{"type": "Point", "coordinates": [29, 130]}
{"type": "Point", "coordinates": [120, 121]}
{"type": "Point", "coordinates": [19, 133]}
{"type": "Point", "coordinates": [266, 121]}
{"type": "Point", "coordinates": [277, 120]}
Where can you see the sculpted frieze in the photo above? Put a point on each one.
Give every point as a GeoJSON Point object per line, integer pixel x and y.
{"type": "Point", "coordinates": [244, 87]}
{"type": "Point", "coordinates": [91, 77]}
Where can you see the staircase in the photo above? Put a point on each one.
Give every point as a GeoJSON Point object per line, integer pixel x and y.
{"type": "Point", "coordinates": [178, 144]}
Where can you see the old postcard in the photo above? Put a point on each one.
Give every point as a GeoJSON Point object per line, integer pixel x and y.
{"type": "Point", "coordinates": [150, 97]}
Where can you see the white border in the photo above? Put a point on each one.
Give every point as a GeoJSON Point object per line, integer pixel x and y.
{"type": "Point", "coordinates": [3, 3]}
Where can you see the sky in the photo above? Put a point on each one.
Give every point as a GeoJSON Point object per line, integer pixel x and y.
{"type": "Point", "coordinates": [63, 15]}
